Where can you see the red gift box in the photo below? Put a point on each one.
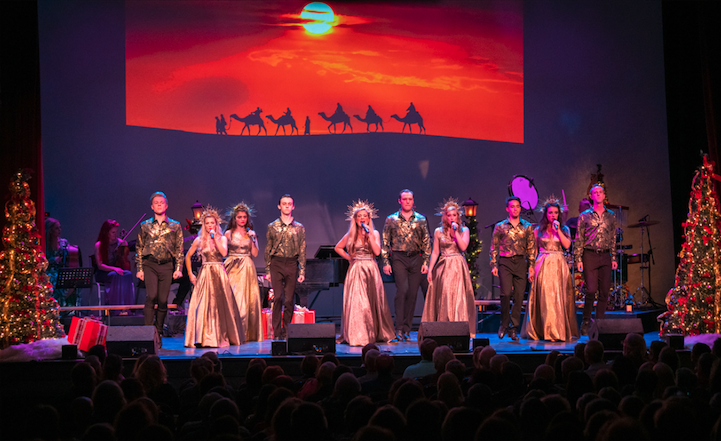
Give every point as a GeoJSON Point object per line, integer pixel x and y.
{"type": "Point", "coordinates": [267, 321]}
{"type": "Point", "coordinates": [86, 333]}
{"type": "Point", "coordinates": [94, 333]}
{"type": "Point", "coordinates": [76, 330]}
{"type": "Point", "coordinates": [301, 314]}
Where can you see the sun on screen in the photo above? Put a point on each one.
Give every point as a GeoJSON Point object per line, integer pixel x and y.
{"type": "Point", "coordinates": [319, 16]}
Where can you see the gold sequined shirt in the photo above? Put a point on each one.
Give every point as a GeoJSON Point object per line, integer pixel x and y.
{"type": "Point", "coordinates": [162, 240]}
{"type": "Point", "coordinates": [597, 233]}
{"type": "Point", "coordinates": [409, 236]}
{"type": "Point", "coordinates": [285, 240]}
{"type": "Point", "coordinates": [509, 241]}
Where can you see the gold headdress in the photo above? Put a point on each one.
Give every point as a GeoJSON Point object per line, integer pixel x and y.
{"type": "Point", "coordinates": [551, 199]}
{"type": "Point", "coordinates": [361, 205]}
{"type": "Point", "coordinates": [210, 211]}
{"type": "Point", "coordinates": [242, 206]}
{"type": "Point", "coordinates": [448, 204]}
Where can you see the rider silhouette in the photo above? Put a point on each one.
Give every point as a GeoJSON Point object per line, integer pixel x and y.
{"type": "Point", "coordinates": [287, 112]}
{"type": "Point", "coordinates": [257, 111]}
{"type": "Point", "coordinates": [339, 110]}
{"type": "Point", "coordinates": [411, 110]}
{"type": "Point", "coordinates": [221, 125]}
{"type": "Point", "coordinates": [370, 113]}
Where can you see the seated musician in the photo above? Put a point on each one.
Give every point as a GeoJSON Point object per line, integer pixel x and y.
{"type": "Point", "coordinates": [59, 254]}
{"type": "Point", "coordinates": [113, 266]}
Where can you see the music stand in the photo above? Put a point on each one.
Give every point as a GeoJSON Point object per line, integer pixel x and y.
{"type": "Point", "coordinates": [74, 278]}
{"type": "Point", "coordinates": [327, 252]}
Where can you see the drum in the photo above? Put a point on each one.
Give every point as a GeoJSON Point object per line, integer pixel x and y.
{"type": "Point", "coordinates": [523, 188]}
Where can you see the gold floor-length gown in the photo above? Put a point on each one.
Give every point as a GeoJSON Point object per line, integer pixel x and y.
{"type": "Point", "coordinates": [366, 316]}
{"type": "Point", "coordinates": [551, 310]}
{"type": "Point", "coordinates": [450, 294]}
{"type": "Point", "coordinates": [213, 318]}
{"type": "Point", "coordinates": [244, 280]}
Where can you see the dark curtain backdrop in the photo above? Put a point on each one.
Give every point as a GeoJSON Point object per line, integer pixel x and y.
{"type": "Point", "coordinates": [692, 44]}
{"type": "Point", "coordinates": [20, 101]}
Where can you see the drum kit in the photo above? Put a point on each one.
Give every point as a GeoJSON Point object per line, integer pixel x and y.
{"type": "Point", "coordinates": [523, 187]}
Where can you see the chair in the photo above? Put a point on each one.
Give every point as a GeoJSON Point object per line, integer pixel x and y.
{"type": "Point", "coordinates": [101, 286]}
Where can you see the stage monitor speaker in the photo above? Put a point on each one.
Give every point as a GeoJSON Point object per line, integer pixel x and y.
{"type": "Point", "coordinates": [612, 331]}
{"type": "Point", "coordinates": [132, 341]}
{"type": "Point", "coordinates": [311, 338]}
{"type": "Point", "coordinates": [452, 334]}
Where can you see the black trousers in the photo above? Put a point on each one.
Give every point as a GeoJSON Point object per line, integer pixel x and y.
{"type": "Point", "coordinates": [158, 278]}
{"type": "Point", "coordinates": [596, 279]}
{"type": "Point", "coordinates": [513, 274]}
{"type": "Point", "coordinates": [283, 277]}
{"type": "Point", "coordinates": [407, 274]}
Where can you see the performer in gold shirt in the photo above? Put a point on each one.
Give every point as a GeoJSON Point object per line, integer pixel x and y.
{"type": "Point", "coordinates": [284, 263]}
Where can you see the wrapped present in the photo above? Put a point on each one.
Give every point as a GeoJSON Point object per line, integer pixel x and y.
{"type": "Point", "coordinates": [267, 321]}
{"type": "Point", "coordinates": [301, 314]}
{"type": "Point", "coordinates": [76, 330]}
{"type": "Point", "coordinates": [93, 333]}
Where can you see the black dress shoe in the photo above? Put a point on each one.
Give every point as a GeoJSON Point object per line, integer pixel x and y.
{"type": "Point", "coordinates": [501, 331]}
{"type": "Point", "coordinates": [406, 337]}
{"type": "Point", "coordinates": [584, 327]}
{"type": "Point", "coordinates": [512, 333]}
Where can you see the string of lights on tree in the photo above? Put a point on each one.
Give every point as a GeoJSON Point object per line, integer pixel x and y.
{"type": "Point", "coordinates": [28, 312]}
{"type": "Point", "coordinates": [475, 245]}
{"type": "Point", "coordinates": [694, 302]}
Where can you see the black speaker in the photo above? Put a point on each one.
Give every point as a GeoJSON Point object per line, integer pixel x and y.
{"type": "Point", "coordinates": [132, 341]}
{"type": "Point", "coordinates": [676, 341]}
{"type": "Point", "coordinates": [482, 342]}
{"type": "Point", "coordinates": [70, 352]}
{"type": "Point", "coordinates": [452, 334]}
{"type": "Point", "coordinates": [612, 331]}
{"type": "Point", "coordinates": [311, 338]}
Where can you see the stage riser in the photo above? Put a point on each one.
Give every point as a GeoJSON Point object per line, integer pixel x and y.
{"type": "Point", "coordinates": [489, 321]}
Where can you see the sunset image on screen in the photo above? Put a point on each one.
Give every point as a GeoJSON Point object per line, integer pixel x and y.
{"type": "Point", "coordinates": [246, 68]}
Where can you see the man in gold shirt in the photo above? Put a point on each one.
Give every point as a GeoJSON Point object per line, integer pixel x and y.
{"type": "Point", "coordinates": [159, 259]}
{"type": "Point", "coordinates": [406, 251]}
{"type": "Point", "coordinates": [284, 263]}
{"type": "Point", "coordinates": [513, 256]}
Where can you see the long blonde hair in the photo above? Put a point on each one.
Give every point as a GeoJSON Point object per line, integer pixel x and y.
{"type": "Point", "coordinates": [353, 231]}
{"type": "Point", "coordinates": [205, 244]}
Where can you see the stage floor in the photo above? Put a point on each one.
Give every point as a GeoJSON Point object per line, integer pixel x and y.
{"type": "Point", "coordinates": [173, 347]}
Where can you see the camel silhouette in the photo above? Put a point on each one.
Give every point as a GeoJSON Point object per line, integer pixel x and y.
{"type": "Point", "coordinates": [285, 120]}
{"type": "Point", "coordinates": [371, 119]}
{"type": "Point", "coordinates": [337, 118]}
{"type": "Point", "coordinates": [253, 119]}
{"type": "Point", "coordinates": [411, 119]}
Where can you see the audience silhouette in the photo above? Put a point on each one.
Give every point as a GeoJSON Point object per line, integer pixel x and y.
{"type": "Point", "coordinates": [640, 394]}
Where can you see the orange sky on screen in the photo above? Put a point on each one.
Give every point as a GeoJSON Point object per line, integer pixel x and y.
{"type": "Point", "coordinates": [460, 65]}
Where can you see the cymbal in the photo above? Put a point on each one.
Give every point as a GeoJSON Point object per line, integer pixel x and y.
{"type": "Point", "coordinates": [644, 224]}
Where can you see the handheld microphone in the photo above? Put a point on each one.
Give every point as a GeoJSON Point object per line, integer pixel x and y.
{"type": "Point", "coordinates": [555, 225]}
{"type": "Point", "coordinates": [455, 226]}
{"type": "Point", "coordinates": [365, 228]}
{"type": "Point", "coordinates": [212, 236]}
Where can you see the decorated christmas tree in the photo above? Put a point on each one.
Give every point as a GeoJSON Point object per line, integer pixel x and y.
{"type": "Point", "coordinates": [475, 246]}
{"type": "Point", "coordinates": [695, 300]}
{"type": "Point", "coordinates": [28, 312]}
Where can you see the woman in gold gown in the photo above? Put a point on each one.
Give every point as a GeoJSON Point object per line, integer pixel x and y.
{"type": "Point", "coordinates": [551, 310]}
{"type": "Point", "coordinates": [450, 295]}
{"type": "Point", "coordinates": [366, 316]}
{"type": "Point", "coordinates": [213, 318]}
{"type": "Point", "coordinates": [242, 248]}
